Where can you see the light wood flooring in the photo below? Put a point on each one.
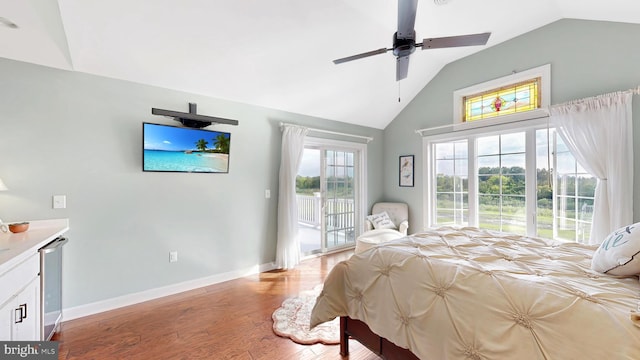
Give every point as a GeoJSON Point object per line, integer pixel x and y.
{"type": "Point", "coordinates": [230, 320]}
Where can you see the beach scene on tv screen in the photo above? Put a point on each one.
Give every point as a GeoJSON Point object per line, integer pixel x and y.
{"type": "Point", "coordinates": [170, 148]}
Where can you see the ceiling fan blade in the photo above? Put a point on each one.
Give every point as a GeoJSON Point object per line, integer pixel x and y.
{"type": "Point", "coordinates": [455, 41]}
{"type": "Point", "coordinates": [402, 67]}
{"type": "Point", "coordinates": [360, 56]}
{"type": "Point", "coordinates": [407, 18]}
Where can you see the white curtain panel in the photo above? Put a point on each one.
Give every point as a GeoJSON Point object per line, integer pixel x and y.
{"type": "Point", "coordinates": [288, 247]}
{"type": "Point", "coordinates": [598, 132]}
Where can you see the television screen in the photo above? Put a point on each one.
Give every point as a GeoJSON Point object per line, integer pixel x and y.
{"type": "Point", "coordinates": [179, 149]}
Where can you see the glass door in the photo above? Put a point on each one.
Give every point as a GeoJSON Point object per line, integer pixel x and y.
{"type": "Point", "coordinates": [328, 188]}
{"type": "Point", "coordinates": [339, 199]}
{"type": "Point", "coordinates": [308, 197]}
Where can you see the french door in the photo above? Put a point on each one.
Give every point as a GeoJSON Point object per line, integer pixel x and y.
{"type": "Point", "coordinates": [329, 188]}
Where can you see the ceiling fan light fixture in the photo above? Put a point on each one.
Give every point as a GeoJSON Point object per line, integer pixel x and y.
{"type": "Point", "coordinates": [403, 47]}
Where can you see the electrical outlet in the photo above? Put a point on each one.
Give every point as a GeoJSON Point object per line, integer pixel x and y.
{"type": "Point", "coordinates": [173, 256]}
{"type": "Point", "coordinates": [267, 194]}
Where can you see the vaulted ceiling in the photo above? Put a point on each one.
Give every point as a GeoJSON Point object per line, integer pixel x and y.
{"type": "Point", "coordinates": [272, 53]}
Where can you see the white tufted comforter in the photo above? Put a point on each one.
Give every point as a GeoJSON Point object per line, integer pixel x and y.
{"type": "Point", "coordinates": [468, 293]}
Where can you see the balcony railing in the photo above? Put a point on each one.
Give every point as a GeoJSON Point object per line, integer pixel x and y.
{"type": "Point", "coordinates": [309, 209]}
{"type": "Point", "coordinates": [339, 226]}
{"type": "Point", "coordinates": [341, 211]}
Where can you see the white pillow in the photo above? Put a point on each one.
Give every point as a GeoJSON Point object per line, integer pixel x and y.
{"type": "Point", "coordinates": [381, 221]}
{"type": "Point", "coordinates": [619, 253]}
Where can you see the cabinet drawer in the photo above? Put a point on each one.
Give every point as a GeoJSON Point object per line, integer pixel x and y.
{"type": "Point", "coordinates": [14, 280]}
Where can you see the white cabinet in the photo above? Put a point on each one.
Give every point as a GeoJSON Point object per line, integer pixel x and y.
{"type": "Point", "coordinates": [20, 316]}
{"type": "Point", "coordinates": [20, 304]}
{"type": "Point", "coordinates": [26, 314]}
{"type": "Point", "coordinates": [20, 300]}
{"type": "Point", "coordinates": [6, 321]}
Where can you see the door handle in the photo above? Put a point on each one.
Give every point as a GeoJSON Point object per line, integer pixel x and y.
{"type": "Point", "coordinates": [54, 245]}
{"type": "Point", "coordinates": [20, 313]}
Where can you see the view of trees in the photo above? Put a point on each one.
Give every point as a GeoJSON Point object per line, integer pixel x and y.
{"type": "Point", "coordinates": [220, 143]}
{"type": "Point", "coordinates": [307, 185]}
{"type": "Point", "coordinates": [336, 186]}
{"type": "Point", "coordinates": [201, 144]}
{"type": "Point", "coordinates": [502, 199]}
{"type": "Point", "coordinates": [513, 182]}
{"type": "Point", "coordinates": [502, 196]}
{"type": "Point", "coordinates": [563, 196]}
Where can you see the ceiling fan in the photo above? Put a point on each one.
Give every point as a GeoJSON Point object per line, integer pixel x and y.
{"type": "Point", "coordinates": [404, 40]}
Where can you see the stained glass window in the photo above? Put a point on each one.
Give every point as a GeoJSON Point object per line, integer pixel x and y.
{"type": "Point", "coordinates": [511, 99]}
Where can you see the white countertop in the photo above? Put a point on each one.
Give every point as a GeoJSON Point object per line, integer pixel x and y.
{"type": "Point", "coordinates": [14, 248]}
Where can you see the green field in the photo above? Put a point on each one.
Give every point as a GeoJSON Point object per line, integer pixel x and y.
{"type": "Point", "coordinates": [513, 220]}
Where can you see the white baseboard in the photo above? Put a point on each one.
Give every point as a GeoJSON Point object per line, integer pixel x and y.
{"type": "Point", "coordinates": [135, 298]}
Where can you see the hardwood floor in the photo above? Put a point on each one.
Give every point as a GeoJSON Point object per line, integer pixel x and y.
{"type": "Point", "coordinates": [230, 320]}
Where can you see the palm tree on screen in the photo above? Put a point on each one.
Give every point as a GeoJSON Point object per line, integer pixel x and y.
{"type": "Point", "coordinates": [221, 142]}
{"type": "Point", "coordinates": [202, 144]}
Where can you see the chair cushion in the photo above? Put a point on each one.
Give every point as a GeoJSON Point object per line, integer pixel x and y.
{"type": "Point", "coordinates": [381, 221]}
{"type": "Point", "coordinates": [374, 237]}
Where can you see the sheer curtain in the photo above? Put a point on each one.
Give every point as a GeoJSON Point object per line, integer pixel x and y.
{"type": "Point", "coordinates": [288, 246]}
{"type": "Point", "coordinates": [598, 132]}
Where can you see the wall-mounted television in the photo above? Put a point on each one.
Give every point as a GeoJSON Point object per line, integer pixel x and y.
{"type": "Point", "coordinates": [179, 149]}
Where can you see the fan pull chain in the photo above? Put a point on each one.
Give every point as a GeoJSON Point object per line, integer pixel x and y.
{"type": "Point", "coordinates": [398, 91]}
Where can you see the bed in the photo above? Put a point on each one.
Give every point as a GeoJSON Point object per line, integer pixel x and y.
{"type": "Point", "coordinates": [466, 293]}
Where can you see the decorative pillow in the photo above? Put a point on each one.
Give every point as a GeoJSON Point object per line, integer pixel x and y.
{"type": "Point", "coordinates": [619, 253]}
{"type": "Point", "coordinates": [381, 221]}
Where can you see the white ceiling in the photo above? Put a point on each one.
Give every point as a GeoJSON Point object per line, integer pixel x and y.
{"type": "Point", "coordinates": [272, 53]}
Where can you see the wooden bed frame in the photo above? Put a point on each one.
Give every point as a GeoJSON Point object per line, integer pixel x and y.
{"type": "Point", "coordinates": [360, 331]}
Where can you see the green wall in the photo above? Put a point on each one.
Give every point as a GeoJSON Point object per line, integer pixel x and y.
{"type": "Point", "coordinates": [80, 135]}
{"type": "Point", "coordinates": [587, 58]}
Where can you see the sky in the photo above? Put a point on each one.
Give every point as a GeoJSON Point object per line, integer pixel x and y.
{"type": "Point", "coordinates": [173, 138]}
{"type": "Point", "coordinates": [310, 163]}
{"type": "Point", "coordinates": [512, 146]}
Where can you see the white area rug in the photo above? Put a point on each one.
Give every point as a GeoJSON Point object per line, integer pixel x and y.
{"type": "Point", "coordinates": [292, 320]}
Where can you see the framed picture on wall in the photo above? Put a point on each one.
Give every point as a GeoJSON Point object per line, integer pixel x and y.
{"type": "Point", "coordinates": [406, 170]}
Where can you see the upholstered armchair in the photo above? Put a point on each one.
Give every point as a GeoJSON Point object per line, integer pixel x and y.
{"type": "Point", "coordinates": [388, 221]}
{"type": "Point", "coordinates": [398, 214]}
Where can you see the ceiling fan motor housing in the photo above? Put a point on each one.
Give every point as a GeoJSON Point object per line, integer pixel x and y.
{"type": "Point", "coordinates": [403, 46]}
